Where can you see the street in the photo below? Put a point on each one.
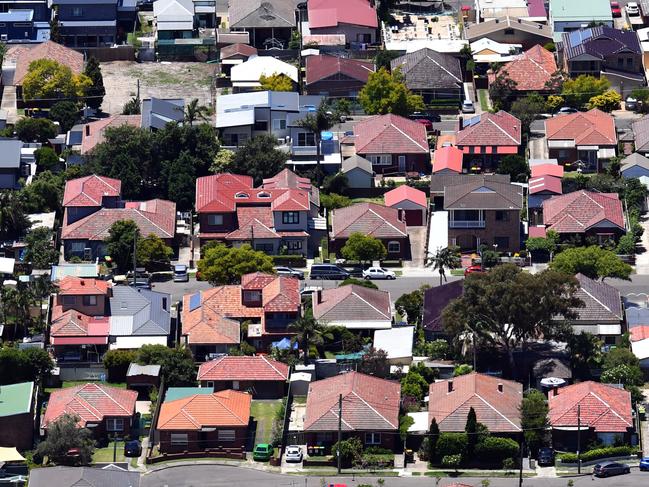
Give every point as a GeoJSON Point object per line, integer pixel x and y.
{"type": "Point", "coordinates": [216, 475]}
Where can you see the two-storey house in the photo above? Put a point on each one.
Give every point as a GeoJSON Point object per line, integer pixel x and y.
{"type": "Point", "coordinates": [356, 20]}
{"type": "Point", "coordinates": [87, 24]}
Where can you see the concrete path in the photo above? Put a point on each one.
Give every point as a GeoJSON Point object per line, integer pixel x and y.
{"type": "Point", "coordinates": [642, 259]}
{"type": "Point", "coordinates": [417, 247]}
{"type": "Point", "coordinates": [9, 103]}
{"type": "Point", "coordinates": [438, 231]}
{"type": "Point", "coordinates": [538, 148]}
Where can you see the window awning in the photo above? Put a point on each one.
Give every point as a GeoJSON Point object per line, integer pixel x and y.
{"type": "Point", "coordinates": [587, 147]}
{"type": "Point", "coordinates": [101, 340]}
{"type": "Point", "coordinates": [561, 144]}
{"type": "Point", "coordinates": [606, 153]}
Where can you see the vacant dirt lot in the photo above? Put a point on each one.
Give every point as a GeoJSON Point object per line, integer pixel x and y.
{"type": "Point", "coordinates": [161, 80]}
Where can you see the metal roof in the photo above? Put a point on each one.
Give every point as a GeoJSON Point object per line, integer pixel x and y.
{"type": "Point", "coordinates": [137, 369]}
{"type": "Point", "coordinates": [16, 398]}
{"type": "Point", "coordinates": [139, 312]}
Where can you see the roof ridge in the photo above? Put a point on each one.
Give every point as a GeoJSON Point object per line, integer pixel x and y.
{"type": "Point", "coordinates": [274, 368]}
{"type": "Point", "coordinates": [373, 409]}
{"type": "Point", "coordinates": [408, 136]}
{"type": "Point", "coordinates": [496, 410]}
{"type": "Point", "coordinates": [386, 221]}
{"type": "Point", "coordinates": [490, 119]}
{"type": "Point", "coordinates": [368, 303]}
{"type": "Point", "coordinates": [427, 55]}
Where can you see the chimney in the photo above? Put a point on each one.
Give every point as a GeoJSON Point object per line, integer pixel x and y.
{"type": "Point", "coordinates": [450, 386]}
{"type": "Point", "coordinates": [460, 121]}
{"type": "Point", "coordinates": [87, 130]}
{"type": "Point", "coordinates": [500, 387]}
{"type": "Point", "coordinates": [318, 296]}
{"type": "Point", "coordinates": [555, 391]}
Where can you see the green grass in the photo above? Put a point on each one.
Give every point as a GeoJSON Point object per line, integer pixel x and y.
{"type": "Point", "coordinates": [378, 199]}
{"type": "Point", "coordinates": [264, 413]}
{"type": "Point", "coordinates": [457, 272]}
{"type": "Point", "coordinates": [476, 473]}
{"type": "Point", "coordinates": [73, 383]}
{"type": "Point", "coordinates": [483, 97]}
{"type": "Point", "coordinates": [574, 174]}
{"type": "Point", "coordinates": [105, 455]}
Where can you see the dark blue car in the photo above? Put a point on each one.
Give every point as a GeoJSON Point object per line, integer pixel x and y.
{"type": "Point", "coordinates": [644, 464]}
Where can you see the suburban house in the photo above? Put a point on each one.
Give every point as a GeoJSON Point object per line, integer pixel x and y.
{"type": "Point", "coordinates": [397, 343]}
{"type": "Point", "coordinates": [371, 411]}
{"type": "Point", "coordinates": [546, 167]}
{"type": "Point", "coordinates": [269, 25]}
{"type": "Point", "coordinates": [392, 144]}
{"type": "Point", "coordinates": [278, 215]}
{"type": "Point", "coordinates": [260, 376]}
{"type": "Point", "coordinates": [12, 163]}
{"type": "Point", "coordinates": [604, 413]}
{"type": "Point", "coordinates": [92, 133]}
{"type": "Point", "coordinates": [497, 9]}
{"type": "Point", "coordinates": [572, 15]}
{"type": "Point", "coordinates": [510, 30]}
{"type": "Point", "coordinates": [158, 112]}
{"type": "Point", "coordinates": [641, 135]}
{"type": "Point", "coordinates": [485, 139]}
{"type": "Point", "coordinates": [356, 20]}
{"type": "Point", "coordinates": [245, 76]}
{"type": "Point", "coordinates": [85, 24]}
{"type": "Point", "coordinates": [103, 409]}
{"type": "Point", "coordinates": [235, 54]}
{"type": "Point", "coordinates": [585, 214]}
{"type": "Point", "coordinates": [448, 160]}
{"type": "Point", "coordinates": [436, 76]}
{"type": "Point", "coordinates": [372, 219]}
{"type": "Point", "coordinates": [540, 189]}
{"type": "Point", "coordinates": [336, 76]}
{"type": "Point", "coordinates": [495, 400]}
{"type": "Point", "coordinates": [354, 307]}
{"type": "Point", "coordinates": [603, 51]}
{"type": "Point", "coordinates": [174, 19]}
{"type": "Point", "coordinates": [17, 406]}
{"type": "Point", "coordinates": [435, 300]}
{"type": "Point", "coordinates": [410, 201]}
{"type": "Point", "coordinates": [200, 422]}
{"type": "Point", "coordinates": [76, 476]}
{"type": "Point", "coordinates": [143, 379]}
{"type": "Point", "coordinates": [530, 71]}
{"type": "Point", "coordinates": [582, 140]}
{"type": "Point", "coordinates": [634, 166]}
{"type": "Point", "coordinates": [358, 171]}
{"type": "Point", "coordinates": [27, 21]}
{"type": "Point", "coordinates": [210, 319]}
{"type": "Point", "coordinates": [86, 195]}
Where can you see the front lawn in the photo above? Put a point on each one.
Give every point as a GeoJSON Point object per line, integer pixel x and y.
{"type": "Point", "coordinates": [483, 96]}
{"type": "Point", "coordinates": [105, 455]}
{"type": "Point", "coordinates": [264, 413]}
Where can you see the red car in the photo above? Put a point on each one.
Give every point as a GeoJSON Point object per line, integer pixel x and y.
{"type": "Point", "coordinates": [616, 11]}
{"type": "Point", "coordinates": [426, 123]}
{"type": "Point", "coordinates": [473, 269]}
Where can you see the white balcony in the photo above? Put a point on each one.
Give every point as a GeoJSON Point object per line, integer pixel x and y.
{"type": "Point", "coordinates": [466, 224]}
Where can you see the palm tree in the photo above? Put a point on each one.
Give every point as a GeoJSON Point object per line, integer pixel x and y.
{"type": "Point", "coordinates": [317, 123]}
{"type": "Point", "coordinates": [194, 111]}
{"type": "Point", "coordinates": [13, 219]}
{"type": "Point", "coordinates": [442, 259]}
{"type": "Point", "coordinates": [41, 289]}
{"type": "Point", "coordinates": [309, 331]}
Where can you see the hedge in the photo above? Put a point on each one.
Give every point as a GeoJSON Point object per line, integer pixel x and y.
{"type": "Point", "coordinates": [289, 260]}
{"type": "Point", "coordinates": [494, 449]}
{"type": "Point", "coordinates": [612, 451]}
{"type": "Point", "coordinates": [449, 444]}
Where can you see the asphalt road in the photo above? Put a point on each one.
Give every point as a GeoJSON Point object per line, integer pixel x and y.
{"type": "Point", "coordinates": [214, 475]}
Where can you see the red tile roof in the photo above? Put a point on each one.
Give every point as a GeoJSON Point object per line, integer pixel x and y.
{"type": "Point", "coordinates": [238, 49]}
{"type": "Point", "coordinates": [531, 70]}
{"type": "Point", "coordinates": [496, 402]}
{"type": "Point", "coordinates": [555, 170]}
{"type": "Point", "coordinates": [448, 157]}
{"type": "Point", "coordinates": [243, 368]}
{"type": "Point", "coordinates": [390, 134]}
{"type": "Point", "coordinates": [77, 286]}
{"type": "Point", "coordinates": [639, 333]}
{"type": "Point", "coordinates": [89, 190]}
{"type": "Point", "coordinates": [322, 66]}
{"type": "Point", "coordinates": [545, 183]}
{"type": "Point", "coordinates": [605, 408]}
{"type": "Point", "coordinates": [369, 403]}
{"type": "Point", "coordinates": [93, 132]}
{"type": "Point", "coordinates": [369, 219]}
{"type": "Point", "coordinates": [492, 129]}
{"type": "Point", "coordinates": [405, 193]}
{"type": "Point", "coordinates": [584, 128]}
{"type": "Point", "coordinates": [352, 303]}
{"type": "Point", "coordinates": [254, 222]}
{"type": "Point", "coordinates": [73, 323]}
{"type": "Point", "coordinates": [216, 193]}
{"type": "Point", "coordinates": [91, 402]}
{"type": "Point", "coordinates": [221, 409]}
{"type": "Point", "coordinates": [578, 211]}
{"type": "Point", "coordinates": [47, 50]}
{"type": "Point", "coordinates": [331, 13]}
{"type": "Point", "coordinates": [537, 231]}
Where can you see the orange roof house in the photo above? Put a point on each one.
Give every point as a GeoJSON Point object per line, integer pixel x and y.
{"type": "Point", "coordinates": [448, 159]}
{"type": "Point", "coordinates": [531, 70]}
{"type": "Point", "coordinates": [412, 202]}
{"type": "Point", "coordinates": [47, 50]}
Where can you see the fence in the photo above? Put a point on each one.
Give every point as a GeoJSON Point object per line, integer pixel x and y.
{"type": "Point", "coordinates": [107, 54]}
{"type": "Point", "coordinates": [235, 453]}
{"type": "Point", "coordinates": [82, 372]}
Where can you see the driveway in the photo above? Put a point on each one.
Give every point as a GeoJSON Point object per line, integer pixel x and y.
{"type": "Point", "coordinates": [642, 259]}
{"type": "Point", "coordinates": [538, 148]}
{"type": "Point", "coordinates": [417, 243]}
{"type": "Point", "coordinates": [438, 234]}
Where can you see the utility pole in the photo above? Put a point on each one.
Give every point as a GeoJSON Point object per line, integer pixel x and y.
{"type": "Point", "coordinates": [134, 257]}
{"type": "Point", "coordinates": [578, 438]}
{"type": "Point", "coordinates": [340, 428]}
{"type": "Point", "coordinates": [115, 448]}
{"type": "Point", "coordinates": [520, 467]}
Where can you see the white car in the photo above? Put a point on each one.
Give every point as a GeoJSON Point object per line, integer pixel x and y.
{"type": "Point", "coordinates": [632, 8]}
{"type": "Point", "coordinates": [293, 454]}
{"type": "Point", "coordinates": [378, 273]}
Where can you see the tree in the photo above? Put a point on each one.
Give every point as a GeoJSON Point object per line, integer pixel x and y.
{"type": "Point", "coordinates": [556, 81]}
{"type": "Point", "coordinates": [132, 107]}
{"type": "Point", "coordinates": [410, 305]}
{"type": "Point", "coordinates": [547, 244]}
{"type": "Point", "coordinates": [116, 362]}
{"type": "Point", "coordinates": [333, 201]}
{"type": "Point", "coordinates": [259, 158]}
{"type": "Point", "coordinates": [593, 262]}
{"type": "Point", "coordinates": [13, 218]}
{"type": "Point", "coordinates": [181, 180]}
{"type": "Point", "coordinates": [96, 91]}
{"type": "Point", "coordinates": [585, 351]}
{"type": "Point", "coordinates": [44, 194]}
{"type": "Point", "coordinates": [414, 385]}
{"type": "Point", "coordinates": [35, 130]}
{"type": "Point", "coordinates": [607, 101]}
{"type": "Point", "coordinates": [28, 365]}
{"type": "Point", "coordinates": [41, 289]}
{"type": "Point", "coordinates": [578, 91]}
{"type": "Point", "coordinates": [176, 364]}
{"type": "Point", "coordinates": [55, 30]}
{"type": "Point", "coordinates": [554, 102]}
{"type": "Point", "coordinates": [40, 248]}
{"type": "Point", "coordinates": [120, 243]}
{"type": "Point", "coordinates": [153, 253]}
{"type": "Point", "coordinates": [433, 436]}
{"type": "Point", "coordinates": [66, 113]}
{"type": "Point", "coordinates": [527, 110]}
{"type": "Point", "coordinates": [363, 248]}
{"type": "Point", "coordinates": [534, 419]}
{"type": "Point", "coordinates": [308, 331]}
{"type": "Point", "coordinates": [47, 79]}
{"type": "Point", "coordinates": [46, 159]}
{"type": "Point", "coordinates": [358, 282]}
{"type": "Point", "coordinates": [226, 265]}
{"type": "Point", "coordinates": [386, 92]}
{"type": "Point", "coordinates": [501, 90]}
{"type": "Point", "coordinates": [626, 245]}
{"type": "Point", "coordinates": [317, 123]}
{"type": "Point", "coordinates": [276, 82]}
{"type": "Point", "coordinates": [462, 369]}
{"type": "Point", "coordinates": [194, 111]}
{"type": "Point", "coordinates": [471, 430]}
{"type": "Point", "coordinates": [349, 450]}
{"type": "Point", "coordinates": [442, 259]}
{"type": "Point", "coordinates": [64, 435]}
{"type": "Point", "coordinates": [222, 161]}
{"type": "Point", "coordinates": [384, 57]}
{"type": "Point", "coordinates": [375, 362]}
{"type": "Point", "coordinates": [502, 307]}
{"type": "Point", "coordinates": [514, 165]}
{"type": "Point", "coordinates": [335, 183]}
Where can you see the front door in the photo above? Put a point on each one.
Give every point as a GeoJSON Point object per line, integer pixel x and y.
{"type": "Point", "coordinates": [402, 163]}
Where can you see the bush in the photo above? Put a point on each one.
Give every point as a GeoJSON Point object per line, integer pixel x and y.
{"type": "Point", "coordinates": [116, 363]}
{"type": "Point", "coordinates": [289, 260]}
{"type": "Point", "coordinates": [494, 449]}
{"type": "Point", "coordinates": [596, 454]}
{"type": "Point", "coordinates": [451, 461]}
{"type": "Point", "coordinates": [351, 450]}
{"type": "Point", "coordinates": [450, 444]}
{"type": "Point", "coordinates": [377, 450]}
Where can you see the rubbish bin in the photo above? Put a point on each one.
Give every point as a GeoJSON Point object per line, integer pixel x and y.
{"type": "Point", "coordinates": [532, 464]}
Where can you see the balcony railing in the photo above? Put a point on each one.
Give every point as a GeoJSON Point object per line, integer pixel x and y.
{"type": "Point", "coordinates": [466, 224]}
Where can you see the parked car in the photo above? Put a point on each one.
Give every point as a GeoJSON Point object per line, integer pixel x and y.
{"type": "Point", "coordinates": [631, 104]}
{"type": "Point", "coordinates": [181, 273]}
{"type": "Point", "coordinates": [425, 122]}
{"type": "Point", "coordinates": [546, 456]}
{"type": "Point", "coordinates": [467, 107]}
{"type": "Point", "coordinates": [644, 464]}
{"type": "Point", "coordinates": [293, 454]}
{"type": "Point", "coordinates": [289, 272]}
{"type": "Point", "coordinates": [262, 452]}
{"type": "Point", "coordinates": [328, 271]}
{"type": "Point", "coordinates": [473, 269]}
{"type": "Point", "coordinates": [378, 273]}
{"type": "Point", "coordinates": [616, 11]}
{"type": "Point", "coordinates": [606, 469]}
{"type": "Point", "coordinates": [132, 448]}
{"type": "Point", "coordinates": [632, 9]}
{"type": "Point", "coordinates": [433, 117]}
{"type": "Point", "coordinates": [563, 110]}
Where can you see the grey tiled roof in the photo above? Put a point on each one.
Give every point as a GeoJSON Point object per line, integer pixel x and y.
{"type": "Point", "coordinates": [10, 153]}
{"type": "Point", "coordinates": [427, 69]}
{"type": "Point", "coordinates": [137, 369]}
{"type": "Point", "coordinates": [435, 300]}
{"type": "Point", "coordinates": [635, 159]}
{"type": "Point", "coordinates": [83, 476]}
{"type": "Point", "coordinates": [139, 312]}
{"type": "Point", "coordinates": [262, 13]}
{"type": "Point", "coordinates": [601, 301]}
{"type": "Point", "coordinates": [357, 161]}
{"type": "Point", "coordinates": [440, 181]}
{"type": "Point", "coordinates": [641, 134]}
{"type": "Point", "coordinates": [481, 193]}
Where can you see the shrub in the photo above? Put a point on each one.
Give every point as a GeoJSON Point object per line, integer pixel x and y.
{"type": "Point", "coordinates": [350, 450]}
{"type": "Point", "coordinates": [451, 461]}
{"type": "Point", "coordinates": [596, 454]}
{"type": "Point", "coordinates": [450, 444]}
{"type": "Point", "coordinates": [494, 449]}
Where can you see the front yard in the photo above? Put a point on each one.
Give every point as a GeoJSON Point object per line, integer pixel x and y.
{"type": "Point", "coordinates": [105, 455]}
{"type": "Point", "coordinates": [264, 413]}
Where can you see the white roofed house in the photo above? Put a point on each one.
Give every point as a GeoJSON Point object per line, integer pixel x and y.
{"type": "Point", "coordinates": [397, 343]}
{"type": "Point", "coordinates": [245, 76]}
{"type": "Point", "coordinates": [174, 19]}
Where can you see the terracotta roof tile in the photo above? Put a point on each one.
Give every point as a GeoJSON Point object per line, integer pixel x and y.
{"type": "Point", "coordinates": [47, 50]}
{"type": "Point", "coordinates": [78, 286]}
{"type": "Point", "coordinates": [492, 129]}
{"type": "Point", "coordinates": [369, 219]}
{"type": "Point", "coordinates": [238, 49]}
{"type": "Point", "coordinates": [243, 368]}
{"type": "Point", "coordinates": [390, 134]}
{"type": "Point", "coordinates": [331, 13]}
{"type": "Point", "coordinates": [602, 302]}
{"type": "Point", "coordinates": [578, 211]}
{"type": "Point", "coordinates": [322, 66]}
{"type": "Point", "coordinates": [584, 128]}
{"type": "Point", "coordinates": [545, 183]}
{"type": "Point", "coordinates": [353, 303]}
{"type": "Point", "coordinates": [90, 190]}
{"type": "Point", "coordinates": [405, 193]}
{"type": "Point", "coordinates": [532, 70]}
{"type": "Point", "coordinates": [221, 409]}
{"type": "Point", "coordinates": [216, 193]}
{"type": "Point", "coordinates": [93, 132]}
{"type": "Point", "coordinates": [448, 157]}
{"type": "Point", "coordinates": [555, 170]}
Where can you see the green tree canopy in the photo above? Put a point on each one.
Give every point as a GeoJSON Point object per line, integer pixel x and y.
{"type": "Point", "coordinates": [31, 364]}
{"type": "Point", "coordinates": [40, 248]}
{"type": "Point", "coordinates": [226, 265]}
{"type": "Point", "coordinates": [259, 158]}
{"type": "Point", "coordinates": [177, 364]}
{"type": "Point", "coordinates": [46, 159]}
{"type": "Point", "coordinates": [47, 79]}
{"type": "Point", "coordinates": [501, 90]}
{"type": "Point", "coordinates": [96, 91]}
{"type": "Point", "coordinates": [375, 362]}
{"type": "Point", "coordinates": [442, 259]}
{"type": "Point", "coordinates": [578, 91]}
{"type": "Point", "coordinates": [45, 193]}
{"type": "Point", "coordinates": [363, 248]}
{"type": "Point", "coordinates": [534, 419]}
{"type": "Point", "coordinates": [120, 243]}
{"type": "Point", "coordinates": [516, 166]}
{"type": "Point", "coordinates": [410, 305]}
{"type": "Point", "coordinates": [66, 113]}
{"type": "Point", "coordinates": [35, 130]}
{"type": "Point", "coordinates": [333, 201]}
{"type": "Point", "coordinates": [386, 92]}
{"type": "Point", "coordinates": [607, 101]}
{"type": "Point", "coordinates": [64, 435]}
{"type": "Point", "coordinates": [594, 262]}
{"type": "Point", "coordinates": [316, 123]}
{"type": "Point", "coordinates": [547, 244]}
{"type": "Point", "coordinates": [276, 82]}
{"type": "Point", "coordinates": [13, 217]}
{"type": "Point", "coordinates": [527, 109]}
{"type": "Point", "coordinates": [308, 331]}
{"type": "Point", "coordinates": [153, 253]}
{"type": "Point", "coordinates": [585, 352]}
{"type": "Point", "coordinates": [181, 180]}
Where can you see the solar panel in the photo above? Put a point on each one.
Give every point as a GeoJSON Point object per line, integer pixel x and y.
{"type": "Point", "coordinates": [194, 301]}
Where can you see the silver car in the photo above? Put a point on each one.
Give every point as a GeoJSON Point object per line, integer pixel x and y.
{"type": "Point", "coordinates": [289, 272]}
{"type": "Point", "coordinates": [293, 454]}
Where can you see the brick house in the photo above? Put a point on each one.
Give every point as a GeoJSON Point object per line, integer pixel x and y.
{"type": "Point", "coordinates": [393, 144]}
{"type": "Point", "coordinates": [258, 375]}
{"type": "Point", "coordinates": [354, 307]}
{"type": "Point", "coordinates": [105, 410]}
{"type": "Point", "coordinates": [530, 71]}
{"type": "Point", "coordinates": [356, 20]}
{"type": "Point", "coordinates": [411, 202]}
{"type": "Point", "coordinates": [370, 410]}
{"type": "Point", "coordinates": [336, 76]}
{"type": "Point", "coordinates": [205, 421]}
{"type": "Point", "coordinates": [17, 415]}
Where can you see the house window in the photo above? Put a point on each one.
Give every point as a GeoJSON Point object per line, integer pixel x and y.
{"type": "Point", "coordinates": [264, 247]}
{"type": "Point", "coordinates": [215, 220]}
{"type": "Point", "coordinates": [394, 247]}
{"type": "Point", "coordinates": [629, 62]}
{"type": "Point", "coordinates": [372, 438]}
{"type": "Point", "coordinates": [69, 300]}
{"type": "Point", "coordinates": [261, 125]}
{"type": "Point", "coordinates": [294, 244]}
{"type": "Point", "coordinates": [90, 300]}
{"type": "Point", "coordinates": [502, 242]}
{"type": "Point", "coordinates": [620, 62]}
{"type": "Point", "coordinates": [502, 216]}
{"type": "Point", "coordinates": [306, 139]}
{"type": "Point", "coordinates": [226, 435]}
{"type": "Point", "coordinates": [605, 238]}
{"type": "Point", "coordinates": [77, 247]}
{"type": "Point", "coordinates": [380, 159]}
{"type": "Point", "coordinates": [279, 124]}
{"type": "Point", "coordinates": [178, 439]}
{"type": "Point", "coordinates": [290, 217]}
{"type": "Point", "coordinates": [252, 296]}
{"type": "Point", "coordinates": [77, 12]}
{"type": "Point", "coordinates": [114, 424]}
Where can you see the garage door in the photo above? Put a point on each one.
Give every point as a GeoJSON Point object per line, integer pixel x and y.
{"type": "Point", "coordinates": [414, 218]}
